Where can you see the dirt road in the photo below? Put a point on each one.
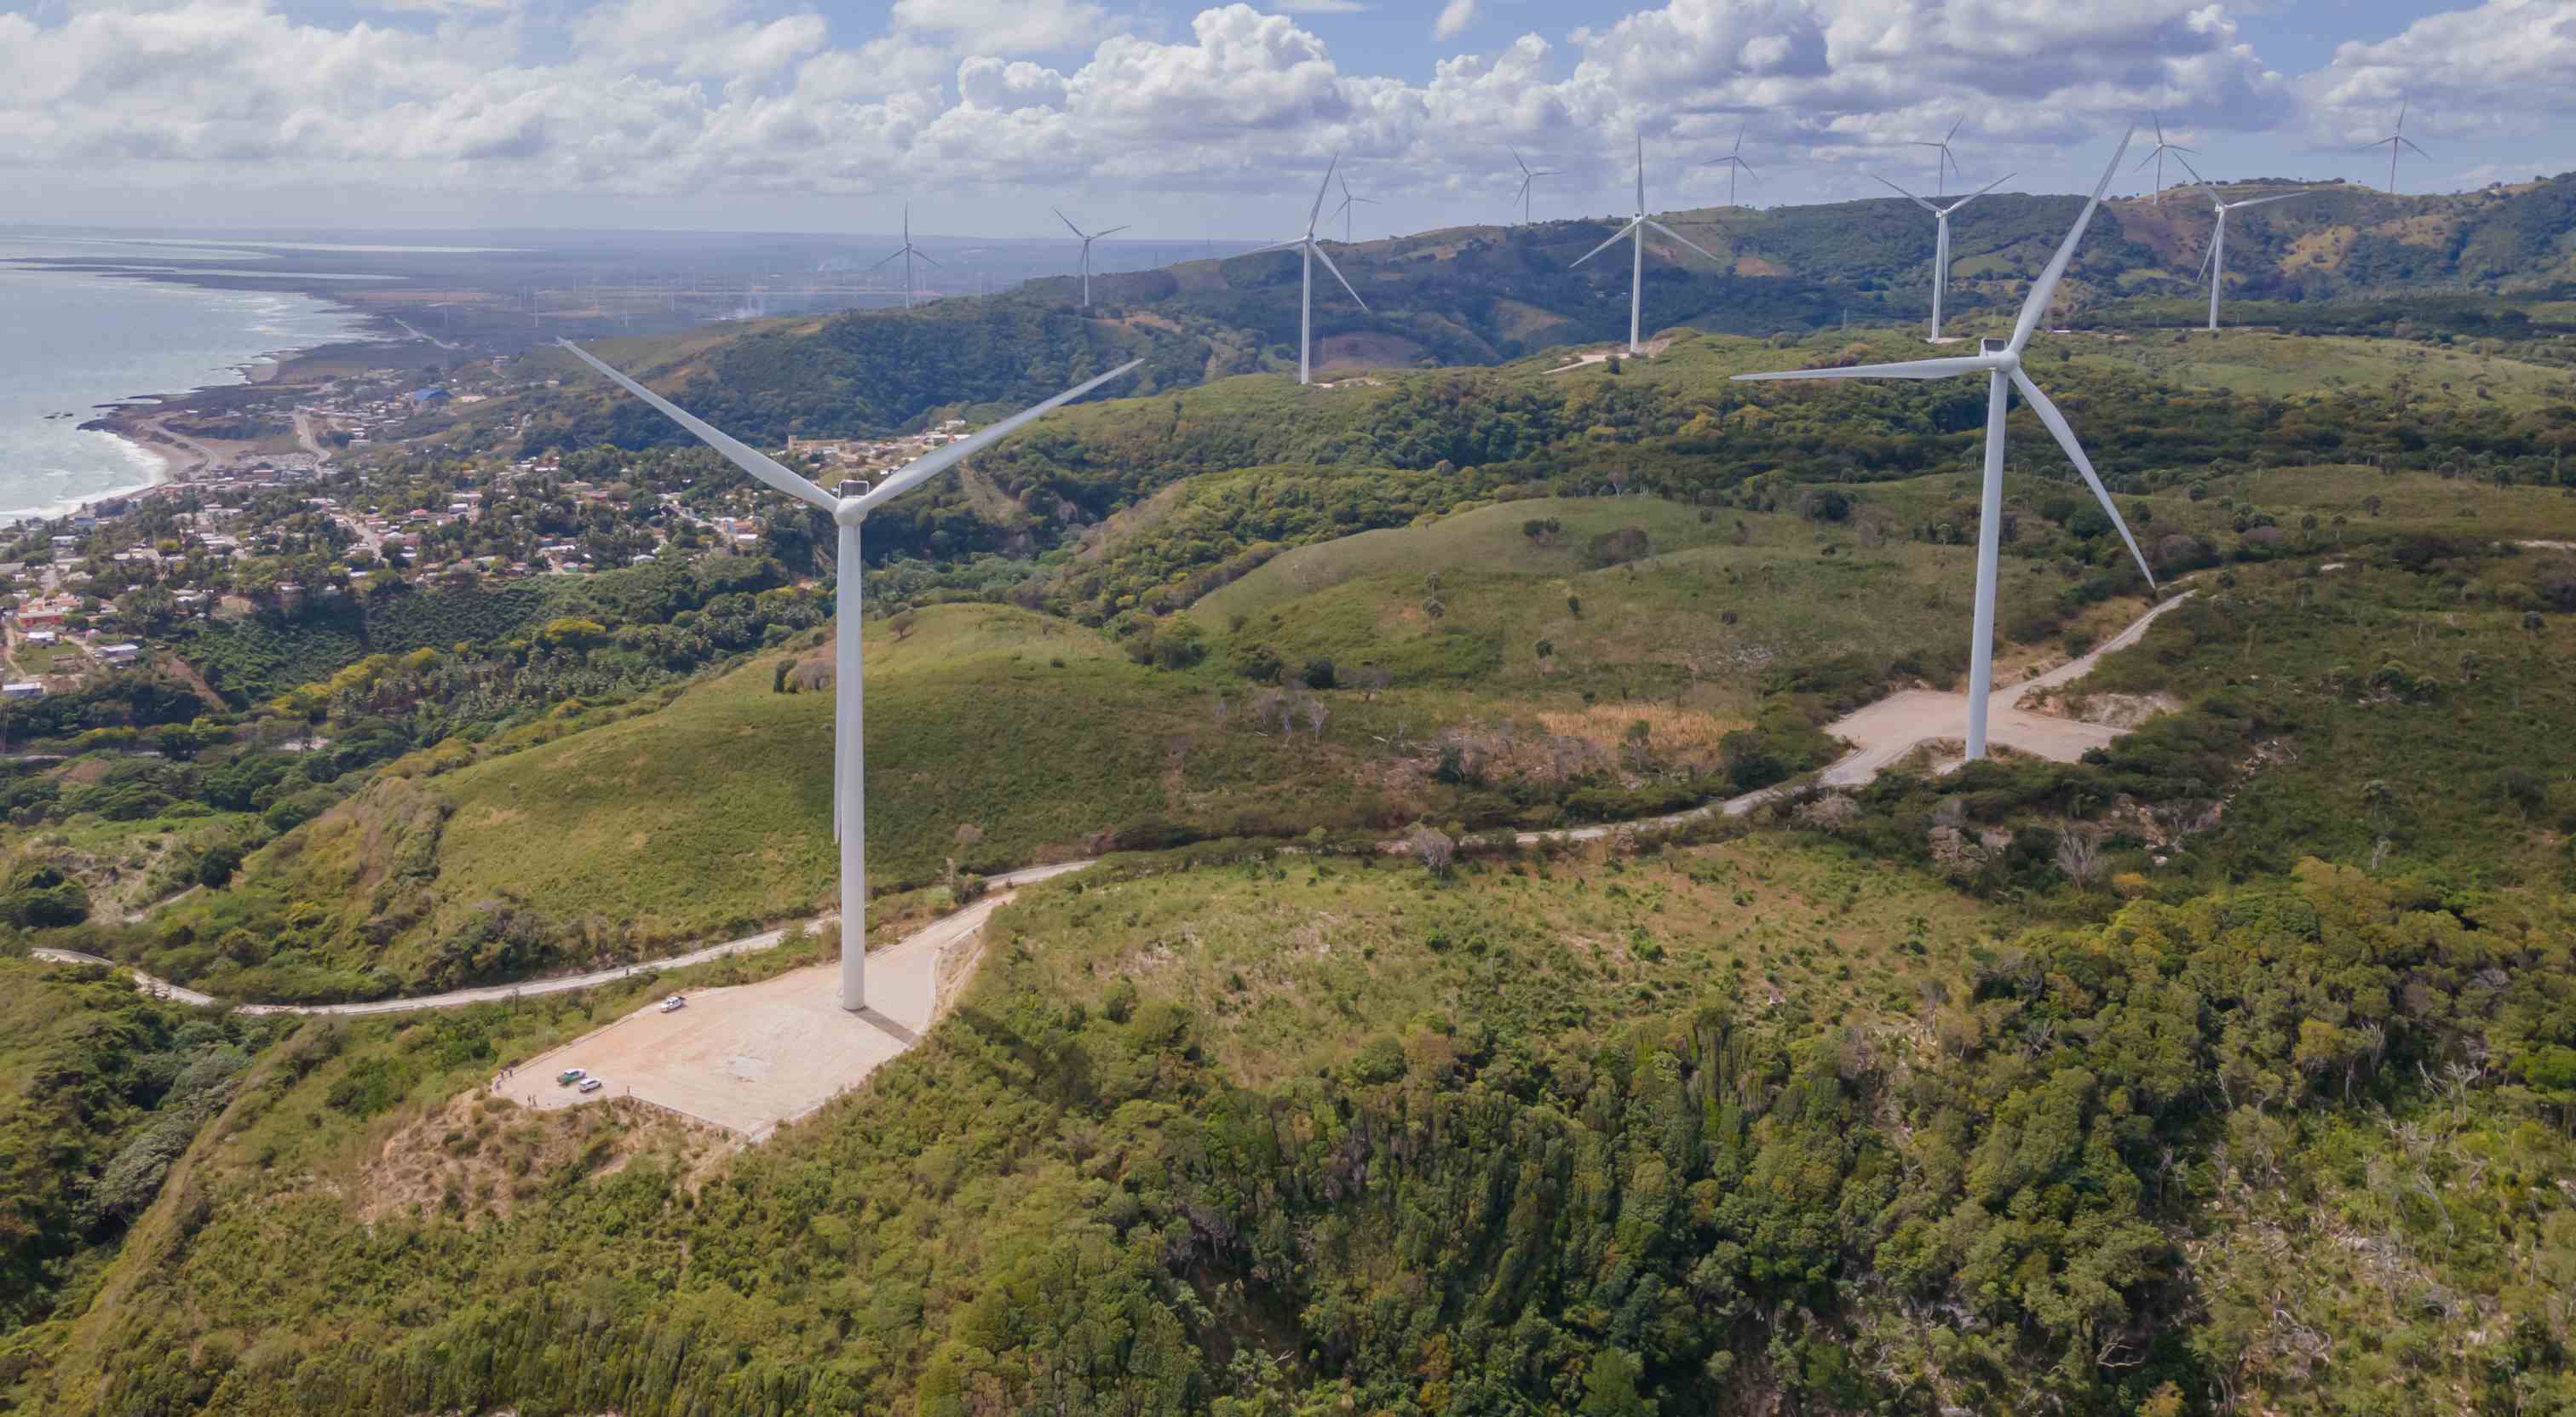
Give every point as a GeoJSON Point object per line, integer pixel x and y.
{"type": "Point", "coordinates": [1880, 733]}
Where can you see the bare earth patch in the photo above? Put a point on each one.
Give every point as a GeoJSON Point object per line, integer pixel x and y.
{"type": "Point", "coordinates": [748, 1058]}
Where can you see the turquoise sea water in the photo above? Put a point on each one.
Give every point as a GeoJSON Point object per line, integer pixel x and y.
{"type": "Point", "coordinates": [70, 342]}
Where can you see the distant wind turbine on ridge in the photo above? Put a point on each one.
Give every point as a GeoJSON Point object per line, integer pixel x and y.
{"type": "Point", "coordinates": [2003, 370]}
{"type": "Point", "coordinates": [1313, 250]}
{"type": "Point", "coordinates": [1636, 228]}
{"type": "Point", "coordinates": [1087, 238]}
{"type": "Point", "coordinates": [1734, 163]}
{"type": "Point", "coordinates": [1943, 160]}
{"type": "Point", "coordinates": [907, 250]}
{"type": "Point", "coordinates": [1529, 179]}
{"type": "Point", "coordinates": [2214, 262]}
{"type": "Point", "coordinates": [1941, 239]}
{"type": "Point", "coordinates": [849, 512]}
{"type": "Point", "coordinates": [2156, 155]}
{"type": "Point", "coordinates": [1344, 210]}
{"type": "Point", "coordinates": [2395, 140]}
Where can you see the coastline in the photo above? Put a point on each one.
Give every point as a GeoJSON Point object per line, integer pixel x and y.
{"type": "Point", "coordinates": [163, 457]}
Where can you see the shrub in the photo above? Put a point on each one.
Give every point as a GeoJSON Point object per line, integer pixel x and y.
{"type": "Point", "coordinates": [1617, 547]}
{"type": "Point", "coordinates": [1318, 673]}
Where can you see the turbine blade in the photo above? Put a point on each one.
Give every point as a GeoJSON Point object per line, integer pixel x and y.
{"type": "Point", "coordinates": [1522, 190]}
{"type": "Point", "coordinates": [921, 469]}
{"type": "Point", "coordinates": [925, 258]}
{"type": "Point", "coordinates": [889, 256]}
{"type": "Point", "coordinates": [1748, 169]}
{"type": "Point", "coordinates": [1972, 196]}
{"type": "Point", "coordinates": [1337, 274]}
{"type": "Point", "coordinates": [2036, 304]}
{"type": "Point", "coordinates": [1686, 241]}
{"type": "Point", "coordinates": [1641, 172]}
{"type": "Point", "coordinates": [1907, 369]}
{"type": "Point", "coordinates": [1615, 238]}
{"type": "Point", "coordinates": [1316, 212]}
{"type": "Point", "coordinates": [2206, 252]}
{"type": "Point", "coordinates": [2150, 157]}
{"type": "Point", "coordinates": [2419, 152]}
{"type": "Point", "coordinates": [2065, 436]}
{"type": "Point", "coordinates": [1068, 222]}
{"type": "Point", "coordinates": [1110, 232]}
{"type": "Point", "coordinates": [741, 455]}
{"type": "Point", "coordinates": [1918, 201]}
{"type": "Point", "coordinates": [1954, 129]}
{"type": "Point", "coordinates": [2187, 167]}
{"type": "Point", "coordinates": [1516, 160]}
{"type": "Point", "coordinates": [2276, 197]}
{"type": "Point", "coordinates": [1277, 246]}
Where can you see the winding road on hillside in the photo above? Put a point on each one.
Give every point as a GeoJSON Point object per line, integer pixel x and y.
{"type": "Point", "coordinates": [1880, 733]}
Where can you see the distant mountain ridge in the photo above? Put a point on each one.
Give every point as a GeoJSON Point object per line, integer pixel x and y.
{"type": "Point", "coordinates": [1485, 295]}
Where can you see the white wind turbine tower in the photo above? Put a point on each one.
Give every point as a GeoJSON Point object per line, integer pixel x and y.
{"type": "Point", "coordinates": [849, 511]}
{"type": "Point", "coordinates": [1636, 228]}
{"type": "Point", "coordinates": [2156, 155]}
{"type": "Point", "coordinates": [2003, 370]}
{"type": "Point", "coordinates": [2214, 263]}
{"type": "Point", "coordinates": [1529, 179]}
{"type": "Point", "coordinates": [2393, 142]}
{"type": "Point", "coordinates": [1941, 240]}
{"type": "Point", "coordinates": [1944, 161]}
{"type": "Point", "coordinates": [1087, 239]}
{"type": "Point", "coordinates": [907, 251]}
{"type": "Point", "coordinates": [1313, 250]}
{"type": "Point", "coordinates": [1344, 210]}
{"type": "Point", "coordinates": [1734, 163]}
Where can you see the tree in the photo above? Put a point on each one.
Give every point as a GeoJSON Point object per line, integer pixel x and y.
{"type": "Point", "coordinates": [1318, 673]}
{"type": "Point", "coordinates": [2079, 855]}
{"type": "Point", "coordinates": [1432, 847]}
{"type": "Point", "coordinates": [901, 622]}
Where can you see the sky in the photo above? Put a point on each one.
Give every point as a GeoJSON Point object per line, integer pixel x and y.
{"type": "Point", "coordinates": [1217, 121]}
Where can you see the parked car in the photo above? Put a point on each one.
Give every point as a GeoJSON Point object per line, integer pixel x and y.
{"type": "Point", "coordinates": [674, 1004]}
{"type": "Point", "coordinates": [588, 1085]}
{"type": "Point", "coordinates": [569, 1076]}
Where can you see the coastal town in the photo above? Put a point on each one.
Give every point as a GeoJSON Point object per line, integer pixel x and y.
{"type": "Point", "coordinates": [286, 496]}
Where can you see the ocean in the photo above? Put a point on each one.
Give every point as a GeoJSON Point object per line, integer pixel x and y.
{"type": "Point", "coordinates": [72, 341]}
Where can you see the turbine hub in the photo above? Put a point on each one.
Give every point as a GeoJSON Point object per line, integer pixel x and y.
{"type": "Point", "coordinates": [848, 511]}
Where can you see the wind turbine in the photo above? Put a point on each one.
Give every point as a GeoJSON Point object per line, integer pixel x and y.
{"type": "Point", "coordinates": [2214, 263]}
{"type": "Point", "coordinates": [907, 251]}
{"type": "Point", "coordinates": [1944, 158]}
{"type": "Point", "coordinates": [2003, 370]}
{"type": "Point", "coordinates": [1344, 211]}
{"type": "Point", "coordinates": [849, 511]}
{"type": "Point", "coordinates": [2393, 142]}
{"type": "Point", "coordinates": [1087, 239]}
{"type": "Point", "coordinates": [1637, 227]}
{"type": "Point", "coordinates": [1734, 163]}
{"type": "Point", "coordinates": [1312, 249]}
{"type": "Point", "coordinates": [2156, 155]}
{"type": "Point", "coordinates": [1529, 179]}
{"type": "Point", "coordinates": [1941, 239]}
